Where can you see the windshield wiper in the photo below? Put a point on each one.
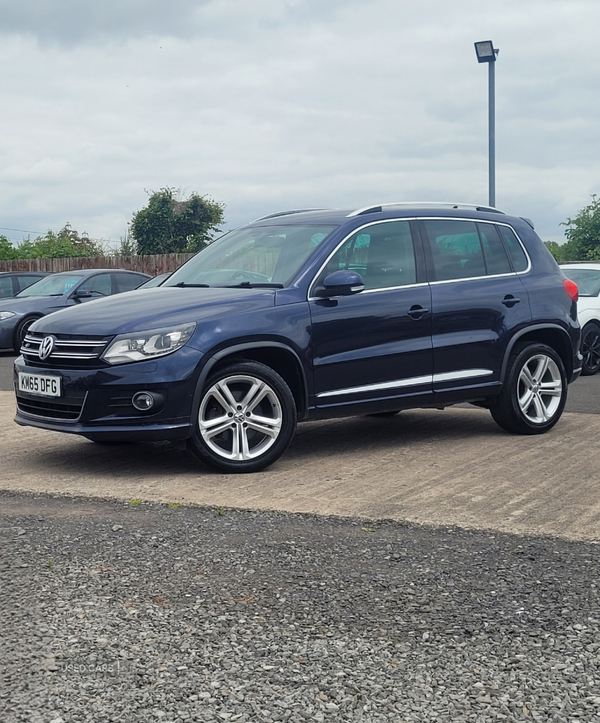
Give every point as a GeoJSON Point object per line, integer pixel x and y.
{"type": "Point", "coordinates": [254, 285]}
{"type": "Point", "coordinates": [184, 285]}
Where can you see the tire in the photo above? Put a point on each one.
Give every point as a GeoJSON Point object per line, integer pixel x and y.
{"type": "Point", "coordinates": [21, 330]}
{"type": "Point", "coordinates": [246, 419]}
{"type": "Point", "coordinates": [590, 349]}
{"type": "Point", "coordinates": [534, 393]}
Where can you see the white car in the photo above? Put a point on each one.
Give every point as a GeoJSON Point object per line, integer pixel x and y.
{"type": "Point", "coordinates": [587, 278]}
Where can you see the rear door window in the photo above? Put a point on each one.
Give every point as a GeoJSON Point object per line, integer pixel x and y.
{"type": "Point", "coordinates": [465, 249]}
{"type": "Point", "coordinates": [496, 260]}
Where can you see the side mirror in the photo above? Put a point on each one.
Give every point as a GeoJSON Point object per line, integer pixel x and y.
{"type": "Point", "coordinates": [81, 294]}
{"type": "Point", "coordinates": [342, 283]}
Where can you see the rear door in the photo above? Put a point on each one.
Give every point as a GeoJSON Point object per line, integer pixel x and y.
{"type": "Point", "coordinates": [478, 302]}
{"type": "Point", "coordinates": [374, 346]}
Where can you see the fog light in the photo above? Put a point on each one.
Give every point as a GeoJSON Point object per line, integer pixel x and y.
{"type": "Point", "coordinates": [143, 401]}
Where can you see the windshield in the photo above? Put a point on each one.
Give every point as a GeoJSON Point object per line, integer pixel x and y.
{"type": "Point", "coordinates": [587, 280]}
{"type": "Point", "coordinates": [54, 285]}
{"type": "Point", "coordinates": [252, 257]}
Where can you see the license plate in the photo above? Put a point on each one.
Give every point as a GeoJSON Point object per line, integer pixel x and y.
{"type": "Point", "coordinates": [40, 384]}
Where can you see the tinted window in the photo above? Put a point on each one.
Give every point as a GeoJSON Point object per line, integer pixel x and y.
{"type": "Point", "coordinates": [6, 287]}
{"type": "Point", "coordinates": [464, 249]}
{"type": "Point", "coordinates": [496, 260]}
{"type": "Point", "coordinates": [127, 282]}
{"type": "Point", "coordinates": [383, 254]}
{"type": "Point", "coordinates": [456, 249]}
{"type": "Point", "coordinates": [98, 285]}
{"type": "Point", "coordinates": [515, 249]}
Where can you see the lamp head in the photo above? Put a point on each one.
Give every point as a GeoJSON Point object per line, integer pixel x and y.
{"type": "Point", "coordinates": [485, 51]}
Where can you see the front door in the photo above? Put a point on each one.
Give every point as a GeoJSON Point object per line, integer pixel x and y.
{"type": "Point", "coordinates": [374, 347]}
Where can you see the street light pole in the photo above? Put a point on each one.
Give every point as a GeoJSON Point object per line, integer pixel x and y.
{"type": "Point", "coordinates": [486, 53]}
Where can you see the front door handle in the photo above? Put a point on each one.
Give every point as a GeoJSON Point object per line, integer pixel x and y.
{"type": "Point", "coordinates": [510, 300]}
{"type": "Point", "coordinates": [417, 311]}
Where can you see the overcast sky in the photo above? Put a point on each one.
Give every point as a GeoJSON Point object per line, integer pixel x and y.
{"type": "Point", "coordinates": [267, 105]}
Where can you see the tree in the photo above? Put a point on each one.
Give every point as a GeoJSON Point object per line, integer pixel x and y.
{"type": "Point", "coordinates": [167, 225]}
{"type": "Point", "coordinates": [7, 250]}
{"type": "Point", "coordinates": [67, 242]}
{"type": "Point", "coordinates": [127, 246]}
{"type": "Point", "coordinates": [583, 234]}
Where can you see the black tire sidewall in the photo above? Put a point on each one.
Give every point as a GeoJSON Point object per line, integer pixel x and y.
{"type": "Point", "coordinates": [289, 417]}
{"type": "Point", "coordinates": [589, 328]}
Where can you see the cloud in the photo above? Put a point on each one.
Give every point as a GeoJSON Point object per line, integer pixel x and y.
{"type": "Point", "coordinates": [289, 103]}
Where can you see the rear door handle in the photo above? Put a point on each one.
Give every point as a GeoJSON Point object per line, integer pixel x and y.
{"type": "Point", "coordinates": [417, 311]}
{"type": "Point", "coordinates": [510, 300]}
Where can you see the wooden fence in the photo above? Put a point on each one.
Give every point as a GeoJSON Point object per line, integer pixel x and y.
{"type": "Point", "coordinates": [153, 265]}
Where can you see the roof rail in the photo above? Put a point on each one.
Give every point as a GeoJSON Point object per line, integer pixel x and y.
{"type": "Point", "coordinates": [287, 213]}
{"type": "Point", "coordinates": [432, 204]}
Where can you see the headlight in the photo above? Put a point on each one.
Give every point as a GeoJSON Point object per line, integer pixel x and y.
{"type": "Point", "coordinates": [148, 344]}
{"type": "Point", "coordinates": [4, 315]}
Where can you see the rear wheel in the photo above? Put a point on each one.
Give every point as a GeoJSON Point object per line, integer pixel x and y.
{"type": "Point", "coordinates": [246, 418]}
{"type": "Point", "coordinates": [534, 393]}
{"type": "Point", "coordinates": [590, 349]}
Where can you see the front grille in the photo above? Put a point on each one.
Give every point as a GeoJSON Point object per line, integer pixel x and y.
{"type": "Point", "coordinates": [67, 408]}
{"type": "Point", "coordinates": [68, 350]}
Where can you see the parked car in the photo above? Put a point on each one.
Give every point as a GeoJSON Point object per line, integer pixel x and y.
{"type": "Point", "coordinates": [153, 281]}
{"type": "Point", "coordinates": [587, 278]}
{"type": "Point", "coordinates": [310, 315]}
{"type": "Point", "coordinates": [11, 282]}
{"type": "Point", "coordinates": [57, 291]}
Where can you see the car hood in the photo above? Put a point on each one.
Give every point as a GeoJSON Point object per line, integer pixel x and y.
{"type": "Point", "coordinates": [153, 309]}
{"type": "Point", "coordinates": [27, 304]}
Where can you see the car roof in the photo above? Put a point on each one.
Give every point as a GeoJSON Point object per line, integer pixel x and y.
{"type": "Point", "coordinates": [25, 273]}
{"type": "Point", "coordinates": [90, 272]}
{"type": "Point", "coordinates": [379, 211]}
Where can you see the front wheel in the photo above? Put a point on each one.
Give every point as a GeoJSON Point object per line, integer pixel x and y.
{"type": "Point", "coordinates": [590, 349]}
{"type": "Point", "coordinates": [21, 331]}
{"type": "Point", "coordinates": [534, 392]}
{"type": "Point", "coordinates": [246, 418]}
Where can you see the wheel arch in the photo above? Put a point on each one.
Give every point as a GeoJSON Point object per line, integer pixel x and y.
{"type": "Point", "coordinates": [553, 336]}
{"type": "Point", "coordinates": [276, 355]}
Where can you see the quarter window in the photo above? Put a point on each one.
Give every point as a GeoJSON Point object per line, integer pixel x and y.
{"type": "Point", "coordinates": [127, 282]}
{"type": "Point", "coordinates": [515, 249]}
{"type": "Point", "coordinates": [383, 254]}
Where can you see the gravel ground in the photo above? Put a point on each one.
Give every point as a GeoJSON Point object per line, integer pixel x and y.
{"type": "Point", "coordinates": [148, 612]}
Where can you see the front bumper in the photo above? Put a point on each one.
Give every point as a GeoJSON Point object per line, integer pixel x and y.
{"type": "Point", "coordinates": [97, 403]}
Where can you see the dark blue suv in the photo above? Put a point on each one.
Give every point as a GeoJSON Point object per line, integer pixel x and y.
{"type": "Point", "coordinates": [314, 314]}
